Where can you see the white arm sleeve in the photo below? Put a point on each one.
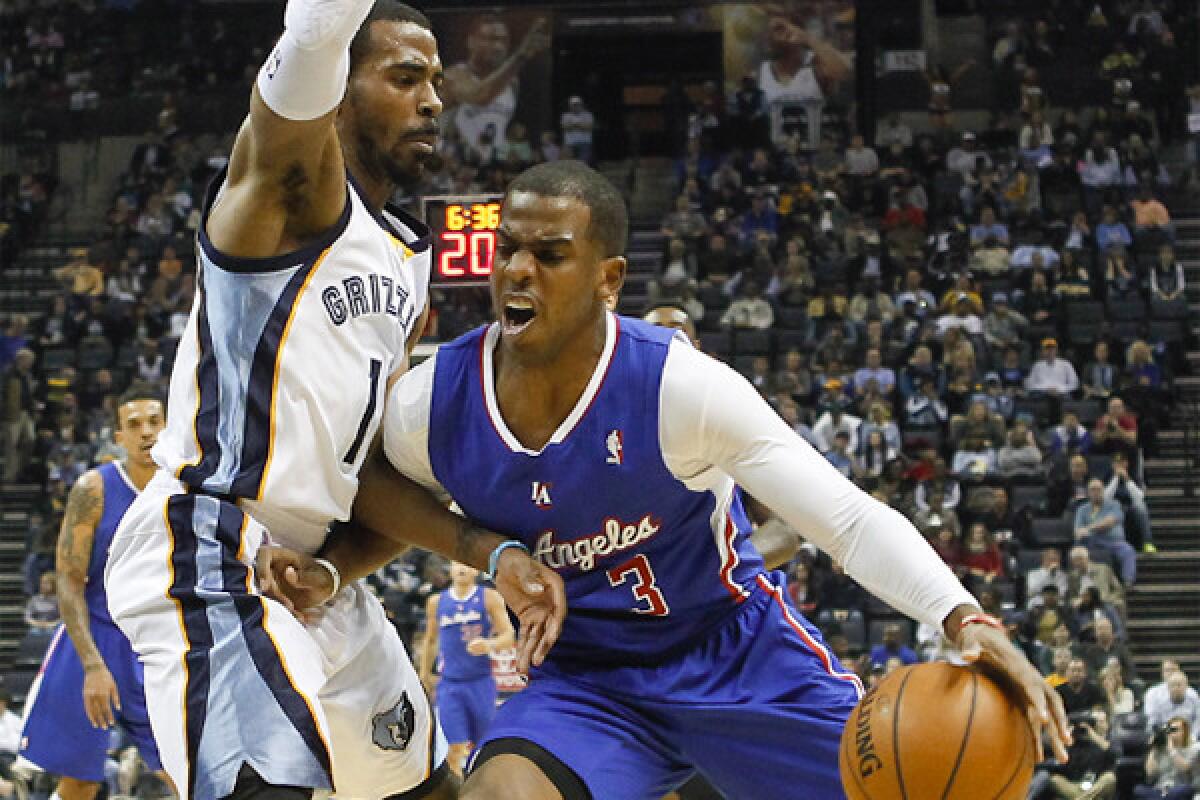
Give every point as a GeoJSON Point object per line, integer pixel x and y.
{"type": "Point", "coordinates": [406, 427]}
{"type": "Point", "coordinates": [712, 417]}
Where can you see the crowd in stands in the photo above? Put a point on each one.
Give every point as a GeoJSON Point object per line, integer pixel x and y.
{"type": "Point", "coordinates": [979, 327]}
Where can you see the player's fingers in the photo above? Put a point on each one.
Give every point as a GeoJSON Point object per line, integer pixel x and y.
{"type": "Point", "coordinates": [115, 696]}
{"type": "Point", "coordinates": [1036, 725]}
{"type": "Point", "coordinates": [89, 708]}
{"type": "Point", "coordinates": [551, 628]}
{"type": "Point", "coordinates": [530, 633]}
{"type": "Point", "coordinates": [1060, 730]}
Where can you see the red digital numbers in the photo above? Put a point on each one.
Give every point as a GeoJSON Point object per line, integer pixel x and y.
{"type": "Point", "coordinates": [466, 254]}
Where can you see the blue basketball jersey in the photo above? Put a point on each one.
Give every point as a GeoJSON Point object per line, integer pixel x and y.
{"type": "Point", "coordinates": [459, 622]}
{"type": "Point", "coordinates": [119, 494]}
{"type": "Point", "coordinates": [650, 566]}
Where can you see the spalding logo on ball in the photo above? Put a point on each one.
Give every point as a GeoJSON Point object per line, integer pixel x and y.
{"type": "Point", "coordinates": [937, 731]}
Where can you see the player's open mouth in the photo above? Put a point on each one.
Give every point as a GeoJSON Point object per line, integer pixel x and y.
{"type": "Point", "coordinates": [518, 315]}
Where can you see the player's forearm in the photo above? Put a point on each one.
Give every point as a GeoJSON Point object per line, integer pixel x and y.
{"type": "Point", "coordinates": [396, 508]}
{"type": "Point", "coordinates": [75, 617]}
{"type": "Point", "coordinates": [501, 641]}
{"type": "Point", "coordinates": [776, 543]}
{"type": "Point", "coordinates": [485, 90]}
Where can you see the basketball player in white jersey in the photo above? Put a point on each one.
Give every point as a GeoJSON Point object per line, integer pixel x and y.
{"type": "Point", "coordinates": [482, 91]}
{"type": "Point", "coordinates": [312, 290]}
{"type": "Point", "coordinates": [801, 72]}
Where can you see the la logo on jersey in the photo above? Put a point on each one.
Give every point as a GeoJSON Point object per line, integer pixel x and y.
{"type": "Point", "coordinates": [616, 447]}
{"type": "Point", "coordinates": [541, 494]}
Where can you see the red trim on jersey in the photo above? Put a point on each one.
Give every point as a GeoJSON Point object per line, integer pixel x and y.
{"type": "Point", "coordinates": [487, 407]}
{"type": "Point", "coordinates": [729, 561]}
{"type": "Point", "coordinates": [812, 644]}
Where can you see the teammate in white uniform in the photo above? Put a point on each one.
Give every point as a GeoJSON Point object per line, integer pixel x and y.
{"type": "Point", "coordinates": [311, 293]}
{"type": "Point", "coordinates": [482, 91]}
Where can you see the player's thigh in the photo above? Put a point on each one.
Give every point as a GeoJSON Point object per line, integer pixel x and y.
{"type": "Point", "coordinates": [511, 777]}
{"type": "Point", "coordinates": [578, 736]}
{"type": "Point", "coordinates": [386, 739]}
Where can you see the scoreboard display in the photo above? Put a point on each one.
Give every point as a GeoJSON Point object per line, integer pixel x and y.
{"type": "Point", "coordinates": [464, 237]}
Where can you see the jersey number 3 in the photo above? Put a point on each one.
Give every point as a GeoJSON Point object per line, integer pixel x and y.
{"type": "Point", "coordinates": [644, 589]}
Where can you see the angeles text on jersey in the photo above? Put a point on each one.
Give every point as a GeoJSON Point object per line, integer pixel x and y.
{"type": "Point", "coordinates": [615, 537]}
{"type": "Point", "coordinates": [459, 618]}
{"type": "Point", "coordinates": [378, 294]}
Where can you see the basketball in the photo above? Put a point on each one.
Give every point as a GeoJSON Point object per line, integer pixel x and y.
{"type": "Point", "coordinates": [937, 730]}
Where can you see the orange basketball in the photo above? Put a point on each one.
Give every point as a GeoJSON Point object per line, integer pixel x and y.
{"type": "Point", "coordinates": [937, 731]}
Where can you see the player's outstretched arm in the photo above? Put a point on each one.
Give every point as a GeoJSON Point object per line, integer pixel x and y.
{"type": "Point", "coordinates": [718, 419]}
{"type": "Point", "coordinates": [286, 174]}
{"type": "Point", "coordinates": [85, 507]}
{"type": "Point", "coordinates": [429, 645]}
{"type": "Point", "coordinates": [463, 86]}
{"type": "Point", "coordinates": [503, 635]}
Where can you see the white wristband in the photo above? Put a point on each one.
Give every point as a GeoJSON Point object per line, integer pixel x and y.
{"type": "Point", "coordinates": [333, 573]}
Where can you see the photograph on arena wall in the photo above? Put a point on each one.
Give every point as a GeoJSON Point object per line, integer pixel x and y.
{"type": "Point", "coordinates": [498, 75]}
{"type": "Point", "coordinates": [800, 53]}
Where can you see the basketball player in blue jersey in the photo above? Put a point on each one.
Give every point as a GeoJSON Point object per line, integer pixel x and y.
{"type": "Point", "coordinates": [311, 292]}
{"type": "Point", "coordinates": [609, 449]}
{"type": "Point", "coordinates": [463, 625]}
{"type": "Point", "coordinates": [91, 679]}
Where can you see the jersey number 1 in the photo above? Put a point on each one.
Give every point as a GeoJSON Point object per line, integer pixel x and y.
{"type": "Point", "coordinates": [645, 588]}
{"type": "Point", "coordinates": [368, 415]}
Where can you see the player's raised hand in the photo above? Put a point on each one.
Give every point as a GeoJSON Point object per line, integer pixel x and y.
{"type": "Point", "coordinates": [536, 40]}
{"type": "Point", "coordinates": [536, 594]}
{"type": "Point", "coordinates": [100, 696]}
{"type": "Point", "coordinates": [991, 650]}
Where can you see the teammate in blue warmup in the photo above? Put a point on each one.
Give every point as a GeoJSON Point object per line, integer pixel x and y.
{"type": "Point", "coordinates": [610, 448]}
{"type": "Point", "coordinates": [91, 679]}
{"type": "Point", "coordinates": [463, 625]}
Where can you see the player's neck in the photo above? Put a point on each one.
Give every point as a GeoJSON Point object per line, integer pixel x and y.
{"type": "Point", "coordinates": [139, 476]}
{"type": "Point", "coordinates": [374, 187]}
{"type": "Point", "coordinates": [535, 395]}
{"type": "Point", "coordinates": [461, 592]}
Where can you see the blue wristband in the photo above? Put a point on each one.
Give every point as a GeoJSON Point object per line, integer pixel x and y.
{"type": "Point", "coordinates": [494, 559]}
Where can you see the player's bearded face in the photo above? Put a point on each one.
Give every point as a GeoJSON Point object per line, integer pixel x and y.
{"type": "Point", "coordinates": [548, 285]}
{"type": "Point", "coordinates": [392, 102]}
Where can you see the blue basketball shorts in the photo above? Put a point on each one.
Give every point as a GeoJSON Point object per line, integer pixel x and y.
{"type": "Point", "coordinates": [58, 736]}
{"type": "Point", "coordinates": [758, 708]}
{"type": "Point", "coordinates": [466, 708]}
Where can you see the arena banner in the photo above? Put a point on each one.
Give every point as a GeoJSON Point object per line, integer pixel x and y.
{"type": "Point", "coordinates": [498, 73]}
{"type": "Point", "coordinates": [801, 54]}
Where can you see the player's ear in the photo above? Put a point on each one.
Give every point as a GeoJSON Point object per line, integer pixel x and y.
{"type": "Point", "coordinates": [612, 279]}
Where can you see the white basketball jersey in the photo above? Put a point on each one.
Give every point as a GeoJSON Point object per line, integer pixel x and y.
{"type": "Point", "coordinates": [790, 100]}
{"type": "Point", "coordinates": [281, 374]}
{"type": "Point", "coordinates": [471, 120]}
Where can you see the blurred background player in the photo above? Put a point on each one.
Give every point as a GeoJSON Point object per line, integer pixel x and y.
{"type": "Point", "coordinates": [91, 679]}
{"type": "Point", "coordinates": [464, 625]}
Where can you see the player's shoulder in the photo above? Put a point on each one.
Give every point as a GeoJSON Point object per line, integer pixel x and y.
{"type": "Point", "coordinates": [641, 332]}
{"type": "Point", "coordinates": [467, 343]}
{"type": "Point", "coordinates": [409, 229]}
{"type": "Point", "coordinates": [93, 479]}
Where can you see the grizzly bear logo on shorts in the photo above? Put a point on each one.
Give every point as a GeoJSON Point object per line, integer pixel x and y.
{"type": "Point", "coordinates": [393, 729]}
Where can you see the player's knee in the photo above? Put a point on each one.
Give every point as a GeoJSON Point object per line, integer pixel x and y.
{"type": "Point", "coordinates": [73, 789]}
{"type": "Point", "coordinates": [251, 786]}
{"type": "Point", "coordinates": [508, 777]}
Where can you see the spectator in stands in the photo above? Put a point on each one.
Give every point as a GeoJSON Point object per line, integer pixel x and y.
{"type": "Point", "coordinates": [966, 158]}
{"type": "Point", "coordinates": [979, 559]}
{"type": "Point", "coordinates": [939, 479]}
{"type": "Point", "coordinates": [841, 457]}
{"type": "Point", "coordinates": [686, 224]}
{"type": "Point", "coordinates": [988, 228]}
{"type": "Point", "coordinates": [1091, 761]}
{"type": "Point", "coordinates": [979, 424]}
{"type": "Point", "coordinates": [913, 291]}
{"type": "Point", "coordinates": [1179, 700]}
{"type": "Point", "coordinates": [1116, 431]}
{"type": "Point", "coordinates": [834, 419]}
{"type": "Point", "coordinates": [1020, 454]}
{"type": "Point", "coordinates": [870, 302]}
{"type": "Point", "coordinates": [1120, 276]}
{"type": "Point", "coordinates": [1099, 172]}
{"type": "Point", "coordinates": [1050, 571]}
{"type": "Point", "coordinates": [19, 408]}
{"type": "Point", "coordinates": [82, 280]}
{"type": "Point", "coordinates": [1039, 303]}
{"type": "Point", "coordinates": [924, 407]}
{"type": "Point", "coordinates": [840, 592]}
{"type": "Point", "coordinates": [1084, 572]}
{"type": "Point", "coordinates": [892, 646]}
{"type": "Point", "coordinates": [1080, 692]}
{"type": "Point", "coordinates": [1149, 214]}
{"type": "Point", "coordinates": [1158, 692]}
{"type": "Point", "coordinates": [578, 125]}
{"type": "Point", "coordinates": [750, 310]}
{"type": "Point", "coordinates": [1106, 645]}
{"type": "Point", "coordinates": [1112, 232]}
{"type": "Point", "coordinates": [1050, 619]}
{"type": "Point", "coordinates": [936, 517]}
{"type": "Point", "coordinates": [41, 610]}
{"type": "Point", "coordinates": [761, 217]}
{"type": "Point", "coordinates": [1123, 488]}
{"type": "Point", "coordinates": [1168, 286]}
{"type": "Point", "coordinates": [963, 317]}
{"type": "Point", "coordinates": [1121, 699]}
{"type": "Point", "coordinates": [874, 375]}
{"type": "Point", "coordinates": [1099, 374]}
{"type": "Point", "coordinates": [879, 418]}
{"type": "Point", "coordinates": [1069, 437]}
{"type": "Point", "coordinates": [1060, 659]}
{"type": "Point", "coordinates": [862, 162]}
{"type": "Point", "coordinates": [717, 260]}
{"type": "Point", "coordinates": [1051, 374]}
{"type": "Point", "coordinates": [1172, 764]}
{"type": "Point", "coordinates": [1003, 326]}
{"type": "Point", "coordinates": [974, 460]}
{"type": "Point", "coordinates": [14, 339]}
{"type": "Point", "coordinates": [1088, 607]}
{"type": "Point", "coordinates": [1099, 525]}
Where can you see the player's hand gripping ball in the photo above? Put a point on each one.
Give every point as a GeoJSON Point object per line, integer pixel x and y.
{"type": "Point", "coordinates": [937, 731]}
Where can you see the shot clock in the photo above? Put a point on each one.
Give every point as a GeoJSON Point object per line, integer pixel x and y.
{"type": "Point", "coordinates": [464, 237]}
